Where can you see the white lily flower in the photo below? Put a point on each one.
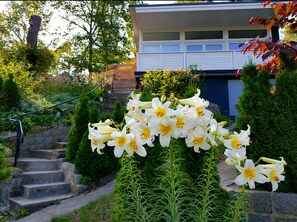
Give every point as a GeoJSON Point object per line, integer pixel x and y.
{"type": "Point", "coordinates": [250, 174]}
{"type": "Point", "coordinates": [274, 174]}
{"type": "Point", "coordinates": [159, 112]}
{"type": "Point", "coordinates": [233, 157]}
{"type": "Point", "coordinates": [165, 131]}
{"type": "Point", "coordinates": [144, 133]}
{"type": "Point", "coordinates": [136, 146]}
{"type": "Point", "coordinates": [197, 139]}
{"type": "Point", "coordinates": [192, 101]}
{"type": "Point", "coordinates": [238, 142]}
{"type": "Point", "coordinates": [273, 161]}
{"type": "Point", "coordinates": [120, 141]}
{"type": "Point", "coordinates": [183, 123]}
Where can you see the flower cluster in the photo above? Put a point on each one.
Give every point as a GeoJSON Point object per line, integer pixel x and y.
{"type": "Point", "coordinates": [188, 119]}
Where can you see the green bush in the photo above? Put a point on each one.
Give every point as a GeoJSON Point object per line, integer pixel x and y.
{"type": "Point", "coordinates": [273, 119]}
{"type": "Point", "coordinates": [79, 126]}
{"type": "Point", "coordinates": [90, 164]}
{"type": "Point", "coordinates": [5, 171]}
{"type": "Point", "coordinates": [118, 112]}
{"type": "Point", "coordinates": [9, 96]}
{"type": "Point", "coordinates": [165, 82]}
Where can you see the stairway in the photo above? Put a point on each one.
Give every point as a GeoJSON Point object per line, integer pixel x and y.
{"type": "Point", "coordinates": [42, 180]}
{"type": "Point", "coordinates": [121, 89]}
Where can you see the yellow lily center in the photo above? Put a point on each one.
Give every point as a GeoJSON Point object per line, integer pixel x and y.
{"type": "Point", "coordinates": [274, 176]}
{"type": "Point", "coordinates": [249, 173]}
{"type": "Point", "coordinates": [199, 111]}
{"type": "Point", "coordinates": [133, 145]}
{"type": "Point", "coordinates": [236, 144]}
{"type": "Point", "coordinates": [198, 140]}
{"type": "Point", "coordinates": [146, 132]}
{"type": "Point", "coordinates": [180, 122]}
{"type": "Point", "coordinates": [165, 130]}
{"type": "Point", "coordinates": [95, 142]}
{"type": "Point", "coordinates": [121, 141]}
{"type": "Point", "coordinates": [160, 112]}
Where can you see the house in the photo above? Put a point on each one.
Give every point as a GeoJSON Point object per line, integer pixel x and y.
{"type": "Point", "coordinates": [203, 34]}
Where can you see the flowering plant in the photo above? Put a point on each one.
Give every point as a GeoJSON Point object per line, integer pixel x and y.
{"type": "Point", "coordinates": [164, 121]}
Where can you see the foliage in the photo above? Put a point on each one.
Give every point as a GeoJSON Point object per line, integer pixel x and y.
{"type": "Point", "coordinates": [103, 33]}
{"type": "Point", "coordinates": [285, 15]}
{"type": "Point", "coordinates": [271, 115]}
{"type": "Point", "coordinates": [88, 163]}
{"type": "Point", "coordinates": [78, 128]}
{"type": "Point", "coordinates": [118, 112]}
{"type": "Point", "coordinates": [5, 171]}
{"type": "Point", "coordinates": [15, 23]}
{"type": "Point", "coordinates": [169, 81]}
{"type": "Point", "coordinates": [9, 96]}
{"type": "Point", "coordinates": [39, 59]}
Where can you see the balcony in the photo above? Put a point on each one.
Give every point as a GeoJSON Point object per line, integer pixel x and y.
{"type": "Point", "coordinates": [210, 60]}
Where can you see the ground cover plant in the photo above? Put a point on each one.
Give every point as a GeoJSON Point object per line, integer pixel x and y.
{"type": "Point", "coordinates": [157, 182]}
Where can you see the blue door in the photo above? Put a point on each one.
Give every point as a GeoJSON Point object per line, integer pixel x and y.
{"type": "Point", "coordinates": [235, 88]}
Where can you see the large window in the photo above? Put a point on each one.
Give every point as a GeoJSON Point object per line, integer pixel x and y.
{"type": "Point", "coordinates": [160, 36]}
{"type": "Point", "coordinates": [239, 34]}
{"type": "Point", "coordinates": [151, 48]}
{"type": "Point", "coordinates": [213, 47]}
{"type": "Point", "coordinates": [170, 48]}
{"type": "Point", "coordinates": [234, 46]}
{"type": "Point", "coordinates": [194, 48]}
{"type": "Point", "coordinates": [203, 35]}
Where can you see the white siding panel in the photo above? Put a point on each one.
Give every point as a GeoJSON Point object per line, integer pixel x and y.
{"type": "Point", "coordinates": [241, 59]}
{"type": "Point", "coordinates": [211, 60]}
{"type": "Point", "coordinates": [172, 61]}
{"type": "Point", "coordinates": [149, 61]}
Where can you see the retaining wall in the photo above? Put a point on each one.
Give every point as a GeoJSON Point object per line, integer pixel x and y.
{"type": "Point", "coordinates": [272, 207]}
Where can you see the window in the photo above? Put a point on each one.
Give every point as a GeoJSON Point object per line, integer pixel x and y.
{"type": "Point", "coordinates": [203, 35]}
{"type": "Point", "coordinates": [170, 48]}
{"type": "Point", "coordinates": [151, 48]}
{"type": "Point", "coordinates": [194, 48]}
{"type": "Point", "coordinates": [239, 34]}
{"type": "Point", "coordinates": [213, 47]}
{"type": "Point", "coordinates": [160, 36]}
{"type": "Point", "coordinates": [234, 46]}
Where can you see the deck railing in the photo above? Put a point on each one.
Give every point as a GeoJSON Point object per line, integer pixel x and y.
{"type": "Point", "coordinates": [206, 60]}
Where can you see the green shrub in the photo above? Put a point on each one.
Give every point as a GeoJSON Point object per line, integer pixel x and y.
{"type": "Point", "coordinates": [273, 119]}
{"type": "Point", "coordinates": [1, 83]}
{"type": "Point", "coordinates": [165, 82]}
{"type": "Point", "coordinates": [5, 171]}
{"type": "Point", "coordinates": [90, 164]}
{"type": "Point", "coordinates": [79, 126]}
{"type": "Point", "coordinates": [118, 112]}
{"type": "Point", "coordinates": [10, 96]}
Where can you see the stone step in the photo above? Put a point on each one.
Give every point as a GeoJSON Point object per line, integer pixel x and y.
{"type": "Point", "coordinates": [36, 164]}
{"type": "Point", "coordinates": [59, 145]}
{"type": "Point", "coordinates": [39, 177]}
{"type": "Point", "coordinates": [32, 191]}
{"type": "Point", "coordinates": [47, 154]}
{"type": "Point", "coordinates": [18, 203]}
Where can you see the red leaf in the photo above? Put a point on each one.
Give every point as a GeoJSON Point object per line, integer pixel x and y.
{"type": "Point", "coordinates": [237, 74]}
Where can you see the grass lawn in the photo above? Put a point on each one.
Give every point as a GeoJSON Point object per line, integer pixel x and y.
{"type": "Point", "coordinates": [100, 210]}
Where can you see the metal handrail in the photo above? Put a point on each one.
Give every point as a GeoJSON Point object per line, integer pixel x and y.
{"type": "Point", "coordinates": [20, 131]}
{"type": "Point", "coordinates": [19, 140]}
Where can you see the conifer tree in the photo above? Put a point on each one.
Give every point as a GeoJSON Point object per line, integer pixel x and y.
{"type": "Point", "coordinates": [79, 126]}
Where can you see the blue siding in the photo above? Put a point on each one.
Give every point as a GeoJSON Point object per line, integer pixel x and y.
{"type": "Point", "coordinates": [216, 91]}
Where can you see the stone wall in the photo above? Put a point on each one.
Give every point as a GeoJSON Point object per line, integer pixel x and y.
{"type": "Point", "coordinates": [44, 137]}
{"type": "Point", "coordinates": [272, 207]}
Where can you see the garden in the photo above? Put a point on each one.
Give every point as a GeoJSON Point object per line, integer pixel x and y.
{"type": "Point", "coordinates": [164, 146]}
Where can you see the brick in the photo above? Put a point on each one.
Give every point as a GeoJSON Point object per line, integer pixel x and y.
{"type": "Point", "coordinates": [260, 202]}
{"type": "Point", "coordinates": [284, 203]}
{"type": "Point", "coordinates": [258, 218]}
